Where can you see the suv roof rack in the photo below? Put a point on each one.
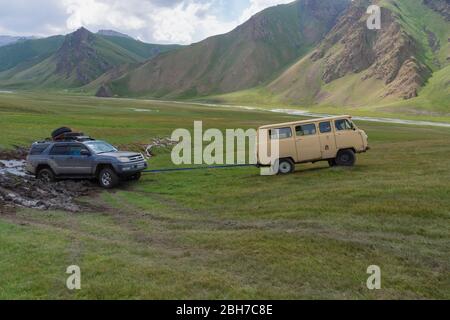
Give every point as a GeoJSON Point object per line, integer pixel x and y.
{"type": "Point", "coordinates": [72, 136]}
{"type": "Point", "coordinates": [75, 139]}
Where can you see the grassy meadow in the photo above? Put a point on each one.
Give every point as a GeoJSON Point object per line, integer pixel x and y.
{"type": "Point", "coordinates": [232, 234]}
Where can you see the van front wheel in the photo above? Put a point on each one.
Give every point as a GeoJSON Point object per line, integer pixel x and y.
{"type": "Point", "coordinates": [332, 163]}
{"type": "Point", "coordinates": [286, 166]}
{"type": "Point", "coordinates": [346, 158]}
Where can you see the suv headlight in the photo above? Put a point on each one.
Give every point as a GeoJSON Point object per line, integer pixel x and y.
{"type": "Point", "coordinates": [124, 159]}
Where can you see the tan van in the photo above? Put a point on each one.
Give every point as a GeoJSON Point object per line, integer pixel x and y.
{"type": "Point", "coordinates": [334, 139]}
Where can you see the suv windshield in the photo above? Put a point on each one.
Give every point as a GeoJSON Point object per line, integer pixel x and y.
{"type": "Point", "coordinates": [100, 147]}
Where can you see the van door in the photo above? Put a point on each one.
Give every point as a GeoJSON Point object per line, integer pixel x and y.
{"type": "Point", "coordinates": [308, 143]}
{"type": "Point", "coordinates": [327, 140]}
{"type": "Point", "coordinates": [286, 142]}
{"type": "Point", "coordinates": [346, 135]}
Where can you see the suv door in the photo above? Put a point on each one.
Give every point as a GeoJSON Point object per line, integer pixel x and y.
{"type": "Point", "coordinates": [347, 137]}
{"type": "Point", "coordinates": [59, 159]}
{"type": "Point", "coordinates": [327, 140]}
{"type": "Point", "coordinates": [308, 143]}
{"type": "Point", "coordinates": [79, 164]}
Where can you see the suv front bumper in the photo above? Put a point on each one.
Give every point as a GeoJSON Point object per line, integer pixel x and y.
{"type": "Point", "coordinates": [128, 169]}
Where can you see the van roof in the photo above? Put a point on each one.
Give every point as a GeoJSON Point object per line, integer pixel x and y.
{"type": "Point", "coordinates": [288, 124]}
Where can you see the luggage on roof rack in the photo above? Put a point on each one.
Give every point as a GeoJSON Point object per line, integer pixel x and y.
{"type": "Point", "coordinates": [65, 134]}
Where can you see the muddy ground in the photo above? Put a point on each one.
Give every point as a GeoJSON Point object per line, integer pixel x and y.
{"type": "Point", "coordinates": [20, 190]}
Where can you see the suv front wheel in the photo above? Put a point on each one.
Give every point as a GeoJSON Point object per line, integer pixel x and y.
{"type": "Point", "coordinates": [108, 179]}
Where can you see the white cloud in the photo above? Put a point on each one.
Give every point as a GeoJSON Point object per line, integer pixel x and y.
{"type": "Point", "coordinates": [105, 14]}
{"type": "Point", "coordinates": [259, 5]}
{"type": "Point", "coordinates": [187, 22]}
{"type": "Point", "coordinates": [162, 21]}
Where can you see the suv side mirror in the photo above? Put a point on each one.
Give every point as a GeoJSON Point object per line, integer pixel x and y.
{"type": "Point", "coordinates": [85, 153]}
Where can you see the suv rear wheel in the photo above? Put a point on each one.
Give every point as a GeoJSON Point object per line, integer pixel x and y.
{"type": "Point", "coordinates": [346, 158]}
{"type": "Point", "coordinates": [108, 179]}
{"type": "Point", "coordinates": [46, 175]}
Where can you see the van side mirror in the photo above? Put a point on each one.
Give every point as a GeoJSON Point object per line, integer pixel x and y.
{"type": "Point", "coordinates": [85, 153]}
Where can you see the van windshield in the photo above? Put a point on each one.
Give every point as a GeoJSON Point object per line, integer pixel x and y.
{"type": "Point", "coordinates": [99, 147]}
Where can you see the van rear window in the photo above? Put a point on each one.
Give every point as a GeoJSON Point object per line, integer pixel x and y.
{"type": "Point", "coordinates": [306, 130]}
{"type": "Point", "coordinates": [282, 133]}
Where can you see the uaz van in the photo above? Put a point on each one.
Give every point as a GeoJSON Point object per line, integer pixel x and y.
{"type": "Point", "coordinates": [335, 139]}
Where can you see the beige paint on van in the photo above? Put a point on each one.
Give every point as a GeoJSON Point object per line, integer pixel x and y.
{"type": "Point", "coordinates": [333, 139]}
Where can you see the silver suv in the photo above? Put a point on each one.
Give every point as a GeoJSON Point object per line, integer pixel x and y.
{"type": "Point", "coordinates": [90, 159]}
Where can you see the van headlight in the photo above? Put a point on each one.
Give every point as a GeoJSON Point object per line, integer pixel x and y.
{"type": "Point", "coordinates": [124, 159]}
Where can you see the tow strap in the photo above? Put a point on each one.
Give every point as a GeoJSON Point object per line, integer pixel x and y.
{"type": "Point", "coordinates": [199, 168]}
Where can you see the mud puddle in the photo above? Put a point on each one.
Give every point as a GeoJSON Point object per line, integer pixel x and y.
{"type": "Point", "coordinates": [18, 189]}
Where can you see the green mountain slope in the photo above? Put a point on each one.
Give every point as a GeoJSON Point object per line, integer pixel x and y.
{"type": "Point", "coordinates": [28, 52]}
{"type": "Point", "coordinates": [248, 56]}
{"type": "Point", "coordinates": [71, 61]}
{"type": "Point", "coordinates": [356, 66]}
{"type": "Point", "coordinates": [143, 50]}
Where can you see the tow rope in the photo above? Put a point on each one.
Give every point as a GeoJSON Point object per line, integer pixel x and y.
{"type": "Point", "coordinates": [199, 168]}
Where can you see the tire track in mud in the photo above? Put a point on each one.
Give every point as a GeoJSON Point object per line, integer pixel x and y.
{"type": "Point", "coordinates": [127, 216]}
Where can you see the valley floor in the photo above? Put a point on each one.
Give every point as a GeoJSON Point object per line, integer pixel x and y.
{"type": "Point", "coordinates": [231, 234]}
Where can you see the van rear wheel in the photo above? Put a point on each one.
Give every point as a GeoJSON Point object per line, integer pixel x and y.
{"type": "Point", "coordinates": [286, 166]}
{"type": "Point", "coordinates": [346, 158]}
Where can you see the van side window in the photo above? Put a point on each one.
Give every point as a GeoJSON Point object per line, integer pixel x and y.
{"type": "Point", "coordinates": [344, 124]}
{"type": "Point", "coordinates": [282, 133]}
{"type": "Point", "coordinates": [306, 130]}
{"type": "Point", "coordinates": [325, 127]}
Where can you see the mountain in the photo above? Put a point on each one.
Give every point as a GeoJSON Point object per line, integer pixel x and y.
{"type": "Point", "coordinates": [70, 61]}
{"type": "Point", "coordinates": [113, 33]}
{"type": "Point", "coordinates": [143, 50]}
{"type": "Point", "coordinates": [308, 52]}
{"type": "Point", "coordinates": [29, 52]}
{"type": "Point", "coordinates": [6, 40]}
{"type": "Point", "coordinates": [246, 57]}
{"type": "Point", "coordinates": [357, 66]}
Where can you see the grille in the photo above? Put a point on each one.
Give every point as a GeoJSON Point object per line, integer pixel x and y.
{"type": "Point", "coordinates": [136, 158]}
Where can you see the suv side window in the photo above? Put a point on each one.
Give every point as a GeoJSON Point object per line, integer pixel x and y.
{"type": "Point", "coordinates": [75, 150]}
{"type": "Point", "coordinates": [280, 134]}
{"type": "Point", "coordinates": [344, 124]}
{"type": "Point", "coordinates": [325, 127]}
{"type": "Point", "coordinates": [306, 130]}
{"type": "Point", "coordinates": [60, 150]}
{"type": "Point", "coordinates": [38, 149]}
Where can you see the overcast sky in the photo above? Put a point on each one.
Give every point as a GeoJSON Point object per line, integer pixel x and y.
{"type": "Point", "coordinates": [156, 21]}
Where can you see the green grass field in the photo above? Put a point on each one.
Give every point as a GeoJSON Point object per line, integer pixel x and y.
{"type": "Point", "coordinates": [232, 234]}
